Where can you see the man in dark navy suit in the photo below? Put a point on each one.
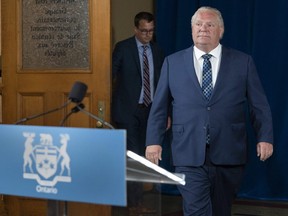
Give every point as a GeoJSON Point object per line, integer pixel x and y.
{"type": "Point", "coordinates": [130, 109]}
{"type": "Point", "coordinates": [209, 139]}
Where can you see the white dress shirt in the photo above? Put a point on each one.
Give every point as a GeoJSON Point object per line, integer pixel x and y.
{"type": "Point", "coordinates": [215, 62]}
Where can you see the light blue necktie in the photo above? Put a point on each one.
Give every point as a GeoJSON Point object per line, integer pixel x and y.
{"type": "Point", "coordinates": [207, 85]}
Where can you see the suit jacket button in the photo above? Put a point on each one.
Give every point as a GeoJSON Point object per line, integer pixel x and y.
{"type": "Point", "coordinates": [208, 108]}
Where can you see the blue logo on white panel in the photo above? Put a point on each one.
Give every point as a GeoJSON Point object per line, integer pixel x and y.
{"type": "Point", "coordinates": [46, 162]}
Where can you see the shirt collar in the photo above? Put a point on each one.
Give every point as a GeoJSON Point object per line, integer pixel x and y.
{"type": "Point", "coordinates": [215, 52]}
{"type": "Point", "coordinates": [139, 44]}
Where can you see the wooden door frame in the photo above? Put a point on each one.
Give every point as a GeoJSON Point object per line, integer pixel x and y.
{"type": "Point", "coordinates": [98, 77]}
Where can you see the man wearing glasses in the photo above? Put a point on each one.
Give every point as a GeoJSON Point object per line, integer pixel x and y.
{"type": "Point", "coordinates": [136, 65]}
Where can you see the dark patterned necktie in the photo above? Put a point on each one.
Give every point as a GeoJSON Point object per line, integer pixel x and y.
{"type": "Point", "coordinates": [146, 78]}
{"type": "Point", "coordinates": [207, 85]}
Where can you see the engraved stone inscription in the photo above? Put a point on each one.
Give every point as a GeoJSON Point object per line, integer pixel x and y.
{"type": "Point", "coordinates": [55, 34]}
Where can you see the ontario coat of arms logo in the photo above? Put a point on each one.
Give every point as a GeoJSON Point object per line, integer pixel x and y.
{"type": "Point", "coordinates": [46, 162]}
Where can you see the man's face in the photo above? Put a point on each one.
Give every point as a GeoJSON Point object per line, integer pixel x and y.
{"type": "Point", "coordinates": [144, 32]}
{"type": "Point", "coordinates": [206, 31]}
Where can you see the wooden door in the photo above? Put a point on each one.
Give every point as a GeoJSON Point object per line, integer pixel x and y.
{"type": "Point", "coordinates": [31, 90]}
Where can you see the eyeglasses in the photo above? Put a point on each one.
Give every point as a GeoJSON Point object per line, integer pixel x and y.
{"type": "Point", "coordinates": [146, 31]}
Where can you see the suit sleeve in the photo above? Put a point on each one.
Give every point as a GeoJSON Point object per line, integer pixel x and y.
{"type": "Point", "coordinates": [116, 60]}
{"type": "Point", "coordinates": [157, 120]}
{"type": "Point", "coordinates": [259, 108]}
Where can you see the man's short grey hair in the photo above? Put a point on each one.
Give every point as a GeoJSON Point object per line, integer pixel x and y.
{"type": "Point", "coordinates": [214, 10]}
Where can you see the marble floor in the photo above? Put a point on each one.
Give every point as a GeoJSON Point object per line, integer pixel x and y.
{"type": "Point", "coordinates": [171, 205]}
{"type": "Point", "coordinates": [259, 208]}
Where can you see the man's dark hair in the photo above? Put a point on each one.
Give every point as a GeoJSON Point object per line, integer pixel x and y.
{"type": "Point", "coordinates": [143, 16]}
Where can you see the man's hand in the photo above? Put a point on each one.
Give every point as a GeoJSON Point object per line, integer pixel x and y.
{"type": "Point", "coordinates": [264, 150]}
{"type": "Point", "coordinates": [154, 153]}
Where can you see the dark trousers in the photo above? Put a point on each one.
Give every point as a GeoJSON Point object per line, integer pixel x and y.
{"type": "Point", "coordinates": [136, 130]}
{"type": "Point", "coordinates": [210, 189]}
{"type": "Point", "coordinates": [136, 137]}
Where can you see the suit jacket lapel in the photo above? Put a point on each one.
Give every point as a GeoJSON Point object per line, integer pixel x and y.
{"type": "Point", "coordinates": [155, 57]}
{"type": "Point", "coordinates": [189, 65]}
{"type": "Point", "coordinates": [135, 54]}
{"type": "Point", "coordinates": [222, 71]}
